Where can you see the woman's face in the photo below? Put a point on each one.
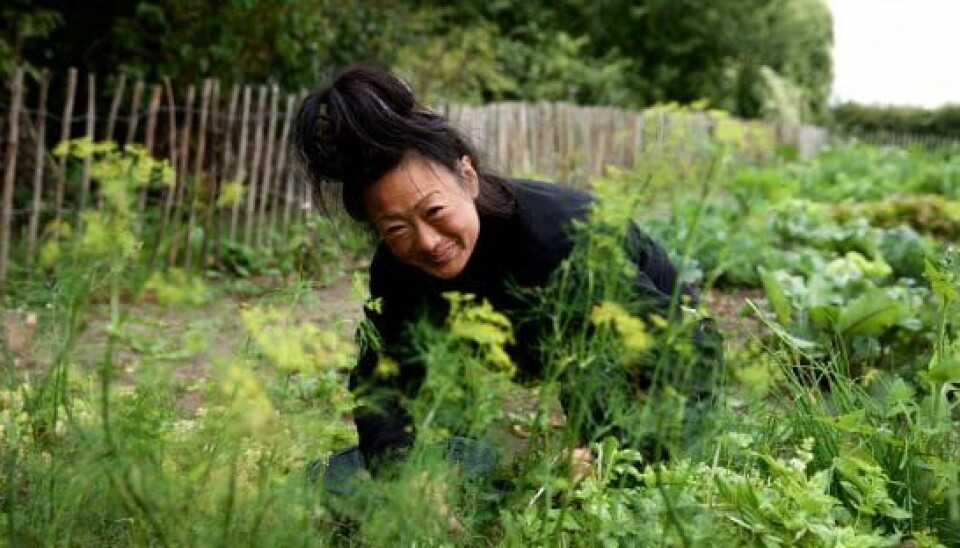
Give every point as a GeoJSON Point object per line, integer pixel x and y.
{"type": "Point", "coordinates": [426, 214]}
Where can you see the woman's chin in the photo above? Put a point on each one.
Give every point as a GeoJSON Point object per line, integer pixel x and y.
{"type": "Point", "coordinates": [445, 270]}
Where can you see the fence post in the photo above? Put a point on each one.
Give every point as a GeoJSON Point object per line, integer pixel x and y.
{"type": "Point", "coordinates": [266, 180]}
{"type": "Point", "coordinates": [38, 167]}
{"type": "Point", "coordinates": [152, 109]}
{"type": "Point", "coordinates": [183, 169]}
{"type": "Point", "coordinates": [88, 159]}
{"type": "Point", "coordinates": [135, 100]}
{"type": "Point", "coordinates": [282, 169]}
{"type": "Point", "coordinates": [65, 136]}
{"type": "Point", "coordinates": [118, 90]}
{"type": "Point", "coordinates": [304, 202]}
{"type": "Point", "coordinates": [255, 166]}
{"type": "Point", "coordinates": [9, 173]}
{"type": "Point", "coordinates": [197, 170]}
{"type": "Point", "coordinates": [172, 136]}
{"type": "Point", "coordinates": [241, 158]}
{"type": "Point", "coordinates": [228, 141]}
{"type": "Point", "coordinates": [212, 190]}
{"type": "Point", "coordinates": [115, 106]}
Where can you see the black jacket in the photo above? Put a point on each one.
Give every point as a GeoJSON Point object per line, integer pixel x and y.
{"type": "Point", "coordinates": [525, 248]}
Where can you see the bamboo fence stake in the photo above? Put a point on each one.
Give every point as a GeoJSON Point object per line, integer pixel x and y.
{"type": "Point", "coordinates": [525, 140]}
{"type": "Point", "coordinates": [304, 206]}
{"type": "Point", "coordinates": [603, 129]}
{"type": "Point", "coordinates": [241, 158]}
{"type": "Point", "coordinates": [212, 189]}
{"type": "Point", "coordinates": [172, 137]}
{"type": "Point", "coordinates": [115, 106]}
{"type": "Point", "coordinates": [616, 137]}
{"type": "Point", "coordinates": [255, 166]}
{"type": "Point", "coordinates": [266, 182]}
{"type": "Point", "coordinates": [131, 124]}
{"type": "Point", "coordinates": [88, 159]}
{"type": "Point", "coordinates": [639, 142]}
{"type": "Point", "coordinates": [198, 183]}
{"type": "Point", "coordinates": [184, 165]}
{"type": "Point", "coordinates": [64, 136]}
{"type": "Point", "coordinates": [505, 137]}
{"type": "Point", "coordinates": [38, 167]}
{"type": "Point", "coordinates": [10, 172]}
{"type": "Point", "coordinates": [570, 143]}
{"type": "Point", "coordinates": [152, 109]}
{"type": "Point", "coordinates": [135, 100]}
{"type": "Point", "coordinates": [282, 168]}
{"type": "Point", "coordinates": [550, 140]}
{"type": "Point", "coordinates": [227, 142]}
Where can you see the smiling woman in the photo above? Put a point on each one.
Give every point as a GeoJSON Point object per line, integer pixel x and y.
{"type": "Point", "coordinates": [426, 214]}
{"type": "Point", "coordinates": [446, 224]}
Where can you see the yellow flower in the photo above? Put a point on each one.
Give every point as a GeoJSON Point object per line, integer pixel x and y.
{"type": "Point", "coordinates": [230, 193]}
{"type": "Point", "coordinates": [481, 324]}
{"type": "Point", "coordinates": [296, 346]}
{"type": "Point", "coordinates": [631, 330]}
{"type": "Point", "coordinates": [49, 253]}
{"type": "Point", "coordinates": [251, 411]}
{"type": "Point", "coordinates": [387, 367]}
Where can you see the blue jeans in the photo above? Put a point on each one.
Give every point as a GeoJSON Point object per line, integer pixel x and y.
{"type": "Point", "coordinates": [475, 458]}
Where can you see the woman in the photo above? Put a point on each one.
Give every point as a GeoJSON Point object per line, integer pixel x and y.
{"type": "Point", "coordinates": [445, 223]}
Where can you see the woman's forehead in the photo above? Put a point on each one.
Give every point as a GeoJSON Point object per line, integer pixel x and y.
{"type": "Point", "coordinates": [404, 187]}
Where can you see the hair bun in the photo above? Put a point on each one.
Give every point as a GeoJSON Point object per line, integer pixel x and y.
{"type": "Point", "coordinates": [361, 126]}
{"type": "Point", "coordinates": [372, 91]}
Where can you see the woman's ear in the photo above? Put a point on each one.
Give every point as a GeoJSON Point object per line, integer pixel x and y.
{"type": "Point", "coordinates": [469, 176]}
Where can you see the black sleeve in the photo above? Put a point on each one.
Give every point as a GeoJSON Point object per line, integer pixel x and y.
{"type": "Point", "coordinates": [657, 278]}
{"type": "Point", "coordinates": [383, 425]}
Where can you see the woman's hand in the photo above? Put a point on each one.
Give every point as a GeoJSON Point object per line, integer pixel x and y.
{"type": "Point", "coordinates": [580, 462]}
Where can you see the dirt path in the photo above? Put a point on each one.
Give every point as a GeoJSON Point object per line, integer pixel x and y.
{"type": "Point", "coordinates": [729, 309]}
{"type": "Point", "coordinates": [182, 343]}
{"type": "Point", "coordinates": [187, 343]}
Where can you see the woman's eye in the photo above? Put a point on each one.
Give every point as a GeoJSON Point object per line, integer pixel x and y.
{"type": "Point", "coordinates": [394, 230]}
{"type": "Point", "coordinates": [434, 211]}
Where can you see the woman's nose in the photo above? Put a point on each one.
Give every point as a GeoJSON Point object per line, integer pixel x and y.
{"type": "Point", "coordinates": [427, 238]}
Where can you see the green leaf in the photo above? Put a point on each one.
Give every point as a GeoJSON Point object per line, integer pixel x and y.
{"type": "Point", "coordinates": [944, 367]}
{"type": "Point", "coordinates": [775, 294]}
{"type": "Point", "coordinates": [796, 343]}
{"type": "Point", "coordinates": [855, 422]}
{"type": "Point", "coordinates": [940, 281]}
{"type": "Point", "coordinates": [869, 315]}
{"type": "Point", "coordinates": [823, 316]}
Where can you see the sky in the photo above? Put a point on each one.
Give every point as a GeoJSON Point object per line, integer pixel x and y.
{"type": "Point", "coordinates": [896, 52]}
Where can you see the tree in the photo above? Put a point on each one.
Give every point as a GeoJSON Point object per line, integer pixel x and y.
{"type": "Point", "coordinates": [754, 58]}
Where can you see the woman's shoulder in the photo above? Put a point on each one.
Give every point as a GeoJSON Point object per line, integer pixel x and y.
{"type": "Point", "coordinates": [544, 219]}
{"type": "Point", "coordinates": [547, 210]}
{"type": "Point", "coordinates": [540, 194]}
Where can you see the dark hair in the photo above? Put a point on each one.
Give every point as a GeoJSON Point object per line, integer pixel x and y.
{"type": "Point", "coordinates": [351, 133]}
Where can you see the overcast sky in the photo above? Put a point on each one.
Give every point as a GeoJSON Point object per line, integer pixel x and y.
{"type": "Point", "coordinates": [903, 52]}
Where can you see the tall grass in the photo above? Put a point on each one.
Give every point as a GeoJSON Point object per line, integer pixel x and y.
{"type": "Point", "coordinates": [684, 454]}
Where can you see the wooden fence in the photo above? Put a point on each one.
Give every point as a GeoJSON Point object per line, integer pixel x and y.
{"type": "Point", "coordinates": [906, 140]}
{"type": "Point", "coordinates": [213, 135]}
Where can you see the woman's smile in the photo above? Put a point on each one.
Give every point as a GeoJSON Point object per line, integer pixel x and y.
{"type": "Point", "coordinates": [443, 254]}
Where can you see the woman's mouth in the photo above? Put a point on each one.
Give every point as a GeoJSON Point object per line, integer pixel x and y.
{"type": "Point", "coordinates": [441, 255]}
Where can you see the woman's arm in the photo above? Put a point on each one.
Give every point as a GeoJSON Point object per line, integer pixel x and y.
{"type": "Point", "coordinates": [385, 373]}
{"type": "Point", "coordinates": [383, 426]}
{"type": "Point", "coordinates": [657, 278]}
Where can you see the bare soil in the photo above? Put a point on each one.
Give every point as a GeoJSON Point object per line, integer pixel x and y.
{"type": "Point", "coordinates": [733, 316]}
{"type": "Point", "coordinates": [186, 342]}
